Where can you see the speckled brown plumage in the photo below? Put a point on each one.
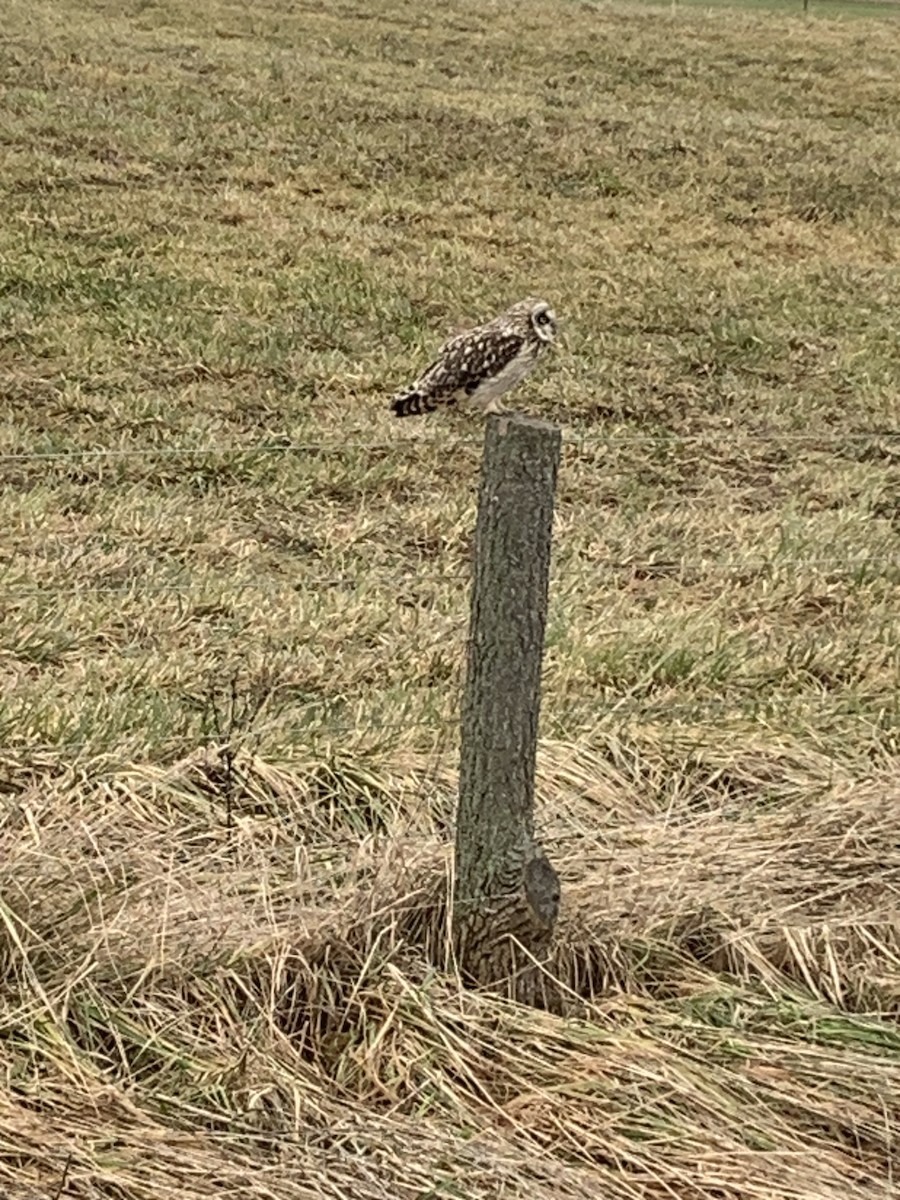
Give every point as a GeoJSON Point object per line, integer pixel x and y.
{"type": "Point", "coordinates": [483, 363]}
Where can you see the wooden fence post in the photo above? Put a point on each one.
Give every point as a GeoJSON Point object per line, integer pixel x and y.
{"type": "Point", "coordinates": [506, 895]}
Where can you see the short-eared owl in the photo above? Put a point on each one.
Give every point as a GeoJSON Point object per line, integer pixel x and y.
{"type": "Point", "coordinates": [483, 363]}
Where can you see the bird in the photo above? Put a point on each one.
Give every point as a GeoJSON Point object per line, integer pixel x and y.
{"type": "Point", "coordinates": [483, 363]}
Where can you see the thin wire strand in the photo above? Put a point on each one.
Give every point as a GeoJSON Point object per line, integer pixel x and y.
{"type": "Point", "coordinates": [401, 444]}
{"type": "Point", "coordinates": [136, 587]}
{"type": "Point", "coordinates": [667, 568]}
{"type": "Point", "coordinates": [747, 707]}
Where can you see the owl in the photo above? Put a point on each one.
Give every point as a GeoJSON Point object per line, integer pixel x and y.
{"type": "Point", "coordinates": [483, 363]}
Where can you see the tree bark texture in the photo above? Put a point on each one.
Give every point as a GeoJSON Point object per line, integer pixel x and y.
{"type": "Point", "coordinates": [506, 896]}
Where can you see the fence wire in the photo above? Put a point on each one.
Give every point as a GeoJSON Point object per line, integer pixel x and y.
{"type": "Point", "coordinates": [748, 707]}
{"type": "Point", "coordinates": [446, 442]}
{"type": "Point", "coordinates": [639, 568]}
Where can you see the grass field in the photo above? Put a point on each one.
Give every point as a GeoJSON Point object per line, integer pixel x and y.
{"type": "Point", "coordinates": [234, 595]}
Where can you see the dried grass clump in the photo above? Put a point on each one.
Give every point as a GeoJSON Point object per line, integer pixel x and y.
{"type": "Point", "coordinates": [194, 1006]}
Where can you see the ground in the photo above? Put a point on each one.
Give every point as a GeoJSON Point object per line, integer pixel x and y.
{"type": "Point", "coordinates": [234, 597]}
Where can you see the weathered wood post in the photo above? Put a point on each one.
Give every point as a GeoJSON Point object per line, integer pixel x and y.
{"type": "Point", "coordinates": [506, 896]}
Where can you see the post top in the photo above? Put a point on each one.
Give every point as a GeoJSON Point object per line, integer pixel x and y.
{"type": "Point", "coordinates": [503, 422]}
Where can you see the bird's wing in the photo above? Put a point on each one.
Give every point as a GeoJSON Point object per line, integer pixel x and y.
{"type": "Point", "coordinates": [466, 361]}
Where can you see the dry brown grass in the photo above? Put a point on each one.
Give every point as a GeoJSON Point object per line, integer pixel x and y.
{"type": "Point", "coordinates": [234, 599]}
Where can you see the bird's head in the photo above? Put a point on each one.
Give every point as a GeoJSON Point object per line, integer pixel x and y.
{"type": "Point", "coordinates": [540, 316]}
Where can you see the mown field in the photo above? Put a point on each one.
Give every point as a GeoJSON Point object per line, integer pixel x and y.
{"type": "Point", "coordinates": [234, 595]}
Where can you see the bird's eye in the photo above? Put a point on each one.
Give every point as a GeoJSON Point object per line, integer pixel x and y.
{"type": "Point", "coordinates": [542, 318]}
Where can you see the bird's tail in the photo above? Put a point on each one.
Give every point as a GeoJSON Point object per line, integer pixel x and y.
{"type": "Point", "coordinates": [410, 404]}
